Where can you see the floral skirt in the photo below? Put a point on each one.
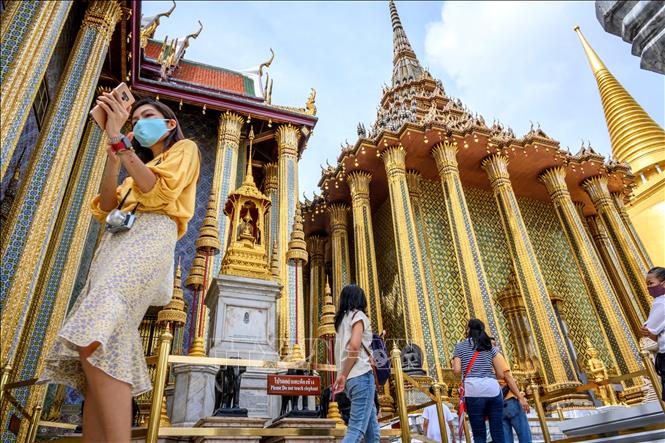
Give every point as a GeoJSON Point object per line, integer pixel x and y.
{"type": "Point", "coordinates": [130, 272]}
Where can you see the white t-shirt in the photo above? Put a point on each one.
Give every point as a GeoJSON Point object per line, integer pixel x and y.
{"type": "Point", "coordinates": [656, 321]}
{"type": "Point", "coordinates": [433, 429]}
{"type": "Point", "coordinates": [342, 338]}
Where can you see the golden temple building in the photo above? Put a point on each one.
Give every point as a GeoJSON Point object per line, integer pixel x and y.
{"type": "Point", "coordinates": [436, 214]}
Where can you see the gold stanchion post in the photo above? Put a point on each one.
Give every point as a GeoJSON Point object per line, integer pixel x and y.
{"type": "Point", "coordinates": [4, 378]}
{"type": "Point", "coordinates": [160, 382]}
{"type": "Point", "coordinates": [653, 377]}
{"type": "Point", "coordinates": [541, 412]}
{"type": "Point", "coordinates": [34, 423]}
{"type": "Point", "coordinates": [467, 431]}
{"type": "Point", "coordinates": [443, 425]}
{"type": "Point", "coordinates": [396, 357]}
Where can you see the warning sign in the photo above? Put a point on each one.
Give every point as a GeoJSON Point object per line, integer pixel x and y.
{"type": "Point", "coordinates": [294, 385]}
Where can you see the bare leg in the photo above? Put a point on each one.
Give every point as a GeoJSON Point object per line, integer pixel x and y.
{"type": "Point", "coordinates": [92, 426]}
{"type": "Point", "coordinates": [113, 403]}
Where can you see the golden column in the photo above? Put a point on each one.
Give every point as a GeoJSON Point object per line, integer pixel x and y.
{"type": "Point", "coordinates": [617, 197]}
{"type": "Point", "coordinates": [272, 217]}
{"type": "Point", "coordinates": [469, 262]}
{"type": "Point", "coordinates": [556, 365]}
{"type": "Point", "coordinates": [633, 310]}
{"type": "Point", "coordinates": [29, 34]}
{"type": "Point", "coordinates": [297, 259]}
{"type": "Point", "coordinates": [316, 246]}
{"type": "Point", "coordinates": [410, 266]}
{"type": "Point", "coordinates": [635, 271]}
{"type": "Point", "coordinates": [58, 275]}
{"type": "Point", "coordinates": [341, 263]}
{"type": "Point", "coordinates": [32, 219]}
{"type": "Point", "coordinates": [603, 299]}
{"type": "Point", "coordinates": [363, 234]}
{"type": "Point", "coordinates": [225, 175]}
{"type": "Point", "coordinates": [413, 182]}
{"type": "Point", "coordinates": [287, 191]}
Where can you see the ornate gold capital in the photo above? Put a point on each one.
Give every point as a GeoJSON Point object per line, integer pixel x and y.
{"type": "Point", "coordinates": [316, 246]}
{"type": "Point", "coordinates": [103, 15]}
{"type": "Point", "coordinates": [413, 179]}
{"type": "Point", "coordinates": [359, 184]}
{"type": "Point", "coordinates": [445, 155]}
{"type": "Point", "coordinates": [496, 167]}
{"type": "Point", "coordinates": [395, 160]}
{"type": "Point", "coordinates": [596, 187]}
{"type": "Point", "coordinates": [228, 130]}
{"type": "Point", "coordinates": [338, 216]}
{"type": "Point", "coordinates": [287, 139]}
{"type": "Point", "coordinates": [554, 180]}
{"type": "Point", "coordinates": [270, 181]}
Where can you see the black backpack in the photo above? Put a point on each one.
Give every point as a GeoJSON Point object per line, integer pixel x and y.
{"type": "Point", "coordinates": [381, 358]}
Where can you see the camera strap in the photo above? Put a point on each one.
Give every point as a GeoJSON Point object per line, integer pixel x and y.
{"type": "Point", "coordinates": [122, 202]}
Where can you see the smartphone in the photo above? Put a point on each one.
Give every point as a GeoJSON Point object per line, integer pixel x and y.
{"type": "Point", "coordinates": [99, 115]}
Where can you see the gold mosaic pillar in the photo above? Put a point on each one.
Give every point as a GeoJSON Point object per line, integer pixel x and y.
{"type": "Point", "coordinates": [469, 262]}
{"type": "Point", "coordinates": [363, 234]}
{"type": "Point", "coordinates": [634, 270]}
{"type": "Point", "coordinates": [34, 214]}
{"type": "Point", "coordinates": [270, 189]}
{"type": "Point", "coordinates": [287, 191]}
{"type": "Point", "coordinates": [617, 197]}
{"type": "Point", "coordinates": [341, 263]}
{"type": "Point", "coordinates": [29, 34]}
{"type": "Point", "coordinates": [413, 286]}
{"type": "Point", "coordinates": [556, 365]}
{"type": "Point", "coordinates": [413, 182]}
{"type": "Point", "coordinates": [57, 277]}
{"type": "Point", "coordinates": [297, 259]}
{"type": "Point", "coordinates": [316, 246]}
{"type": "Point", "coordinates": [608, 310]}
{"type": "Point", "coordinates": [225, 175]}
{"type": "Point", "coordinates": [633, 310]}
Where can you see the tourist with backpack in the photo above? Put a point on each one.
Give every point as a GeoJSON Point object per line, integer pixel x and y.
{"type": "Point", "coordinates": [354, 360]}
{"type": "Point", "coordinates": [480, 394]}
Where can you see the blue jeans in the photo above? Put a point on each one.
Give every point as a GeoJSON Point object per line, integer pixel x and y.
{"type": "Point", "coordinates": [363, 421]}
{"type": "Point", "coordinates": [480, 407]}
{"type": "Point", "coordinates": [515, 418]}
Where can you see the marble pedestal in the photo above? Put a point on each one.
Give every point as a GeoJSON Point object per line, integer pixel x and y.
{"type": "Point", "coordinates": [230, 422]}
{"type": "Point", "coordinates": [194, 395]}
{"type": "Point", "coordinates": [322, 424]}
{"type": "Point", "coordinates": [243, 325]}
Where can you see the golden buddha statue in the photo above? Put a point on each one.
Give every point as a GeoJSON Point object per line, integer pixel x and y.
{"type": "Point", "coordinates": [246, 229]}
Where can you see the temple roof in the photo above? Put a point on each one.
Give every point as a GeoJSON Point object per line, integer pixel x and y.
{"type": "Point", "coordinates": [200, 74]}
{"type": "Point", "coordinates": [406, 66]}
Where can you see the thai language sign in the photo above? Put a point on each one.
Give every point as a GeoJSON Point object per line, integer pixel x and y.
{"type": "Point", "coordinates": [294, 385]}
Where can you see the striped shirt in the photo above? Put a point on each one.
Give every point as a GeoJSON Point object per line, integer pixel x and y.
{"type": "Point", "coordinates": [480, 381]}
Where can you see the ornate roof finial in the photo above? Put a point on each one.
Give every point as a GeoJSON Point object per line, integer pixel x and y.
{"type": "Point", "coordinates": [635, 137]}
{"type": "Point", "coordinates": [249, 178]}
{"type": "Point", "coordinates": [406, 66]}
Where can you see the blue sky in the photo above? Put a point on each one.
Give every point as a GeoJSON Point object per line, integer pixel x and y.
{"type": "Point", "coordinates": [514, 61]}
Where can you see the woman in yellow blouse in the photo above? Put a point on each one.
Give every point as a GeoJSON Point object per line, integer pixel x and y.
{"type": "Point", "coordinates": [99, 350]}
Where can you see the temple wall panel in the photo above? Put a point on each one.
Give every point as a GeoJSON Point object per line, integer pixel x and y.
{"type": "Point", "coordinates": [557, 264]}
{"type": "Point", "coordinates": [386, 261]}
{"type": "Point", "coordinates": [448, 286]}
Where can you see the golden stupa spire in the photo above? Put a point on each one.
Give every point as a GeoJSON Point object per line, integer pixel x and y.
{"type": "Point", "coordinates": [208, 241]}
{"type": "Point", "coordinates": [406, 66]}
{"type": "Point", "coordinates": [297, 246]}
{"type": "Point", "coordinates": [174, 312]}
{"type": "Point", "coordinates": [249, 178]}
{"type": "Point", "coordinates": [327, 319]}
{"type": "Point", "coordinates": [636, 138]}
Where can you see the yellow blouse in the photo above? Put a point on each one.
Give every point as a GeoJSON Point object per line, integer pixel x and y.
{"type": "Point", "coordinates": [174, 193]}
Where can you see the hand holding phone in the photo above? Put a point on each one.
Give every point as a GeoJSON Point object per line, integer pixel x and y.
{"type": "Point", "coordinates": [120, 94]}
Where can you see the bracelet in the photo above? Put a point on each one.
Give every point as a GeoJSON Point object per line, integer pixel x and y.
{"type": "Point", "coordinates": [120, 151]}
{"type": "Point", "coordinates": [115, 139]}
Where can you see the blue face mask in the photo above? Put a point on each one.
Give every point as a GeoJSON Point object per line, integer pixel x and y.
{"type": "Point", "coordinates": [148, 131]}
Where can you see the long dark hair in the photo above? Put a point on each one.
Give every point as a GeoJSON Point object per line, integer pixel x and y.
{"type": "Point", "coordinates": [481, 341]}
{"type": "Point", "coordinates": [352, 298]}
{"type": "Point", "coordinates": [145, 154]}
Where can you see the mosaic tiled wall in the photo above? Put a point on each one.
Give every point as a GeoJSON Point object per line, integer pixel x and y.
{"type": "Point", "coordinates": [552, 250]}
{"type": "Point", "coordinates": [386, 261]}
{"type": "Point", "coordinates": [557, 264]}
{"type": "Point", "coordinates": [452, 306]}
